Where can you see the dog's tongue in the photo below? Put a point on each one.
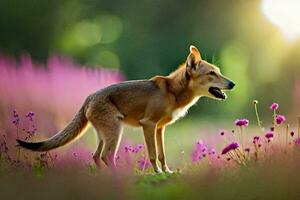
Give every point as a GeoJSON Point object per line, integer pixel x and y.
{"type": "Point", "coordinates": [217, 92]}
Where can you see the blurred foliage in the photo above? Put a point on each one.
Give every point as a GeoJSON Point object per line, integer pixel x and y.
{"type": "Point", "coordinates": [145, 38]}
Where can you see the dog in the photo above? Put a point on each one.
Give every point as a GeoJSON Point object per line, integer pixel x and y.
{"type": "Point", "coordinates": [151, 104]}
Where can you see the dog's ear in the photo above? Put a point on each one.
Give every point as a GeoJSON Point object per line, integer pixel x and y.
{"type": "Point", "coordinates": [193, 58]}
{"type": "Point", "coordinates": [195, 52]}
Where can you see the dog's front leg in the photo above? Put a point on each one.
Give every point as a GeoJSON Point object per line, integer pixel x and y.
{"type": "Point", "coordinates": [149, 129]}
{"type": "Point", "coordinates": [161, 149]}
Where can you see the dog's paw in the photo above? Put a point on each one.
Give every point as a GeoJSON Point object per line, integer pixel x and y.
{"type": "Point", "coordinates": [158, 171]}
{"type": "Point", "coordinates": [168, 171]}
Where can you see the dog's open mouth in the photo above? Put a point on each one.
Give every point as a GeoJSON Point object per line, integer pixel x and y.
{"type": "Point", "coordinates": [217, 92]}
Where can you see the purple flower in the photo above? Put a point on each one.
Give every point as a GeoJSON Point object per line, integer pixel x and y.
{"type": "Point", "coordinates": [241, 122]}
{"type": "Point", "coordinates": [199, 150]}
{"type": "Point", "coordinates": [212, 151]}
{"type": "Point", "coordinates": [269, 135]}
{"type": "Point", "coordinates": [143, 163]}
{"type": "Point", "coordinates": [297, 141]}
{"type": "Point", "coordinates": [30, 116]}
{"type": "Point", "coordinates": [280, 119]}
{"type": "Point", "coordinates": [256, 138]}
{"type": "Point", "coordinates": [274, 106]}
{"type": "Point", "coordinates": [128, 148]}
{"type": "Point", "coordinates": [132, 149]}
{"type": "Point", "coordinates": [292, 133]}
{"type": "Point", "coordinates": [230, 147]}
{"type": "Point", "coordinates": [16, 118]}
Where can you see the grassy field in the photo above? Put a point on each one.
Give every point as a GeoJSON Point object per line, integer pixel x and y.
{"type": "Point", "coordinates": [205, 163]}
{"type": "Point", "coordinates": [276, 179]}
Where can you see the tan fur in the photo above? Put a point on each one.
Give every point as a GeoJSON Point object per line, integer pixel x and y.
{"type": "Point", "coordinates": [151, 104]}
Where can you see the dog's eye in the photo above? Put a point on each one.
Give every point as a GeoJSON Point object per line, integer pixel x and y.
{"type": "Point", "coordinates": [212, 73]}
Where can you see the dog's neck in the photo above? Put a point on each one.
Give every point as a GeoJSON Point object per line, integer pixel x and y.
{"type": "Point", "coordinates": [178, 85]}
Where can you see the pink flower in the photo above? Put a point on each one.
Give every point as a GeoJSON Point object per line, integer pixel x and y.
{"type": "Point", "coordinates": [143, 163]}
{"type": "Point", "coordinates": [269, 135]}
{"type": "Point", "coordinates": [297, 141]}
{"type": "Point", "coordinates": [230, 147]}
{"type": "Point", "coordinates": [198, 150]}
{"type": "Point", "coordinates": [274, 106]}
{"type": "Point", "coordinates": [280, 119]}
{"type": "Point", "coordinates": [241, 122]}
{"type": "Point", "coordinates": [255, 139]}
{"type": "Point", "coordinates": [292, 133]}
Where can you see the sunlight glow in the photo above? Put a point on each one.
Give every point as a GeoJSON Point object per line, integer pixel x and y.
{"type": "Point", "coordinates": [285, 14]}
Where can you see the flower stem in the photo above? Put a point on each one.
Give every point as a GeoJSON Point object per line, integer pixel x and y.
{"type": "Point", "coordinates": [238, 161]}
{"type": "Point", "coordinates": [242, 155]}
{"type": "Point", "coordinates": [286, 137]}
{"type": "Point", "coordinates": [298, 126]}
{"type": "Point", "coordinates": [242, 140]}
{"type": "Point", "coordinates": [256, 152]}
{"type": "Point", "coordinates": [275, 128]}
{"type": "Point", "coordinates": [257, 118]}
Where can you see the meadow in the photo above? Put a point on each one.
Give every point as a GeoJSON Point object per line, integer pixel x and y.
{"type": "Point", "coordinates": [237, 159]}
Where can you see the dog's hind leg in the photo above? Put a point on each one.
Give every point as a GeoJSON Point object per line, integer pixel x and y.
{"type": "Point", "coordinates": [112, 134]}
{"type": "Point", "coordinates": [107, 120]}
{"type": "Point", "coordinates": [97, 153]}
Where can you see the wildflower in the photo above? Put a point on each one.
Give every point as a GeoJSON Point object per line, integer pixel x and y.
{"type": "Point", "coordinates": [128, 148]}
{"type": "Point", "coordinates": [292, 133]}
{"type": "Point", "coordinates": [280, 119]}
{"type": "Point", "coordinates": [274, 106]}
{"type": "Point", "coordinates": [199, 150]}
{"type": "Point", "coordinates": [212, 151]}
{"type": "Point", "coordinates": [255, 139]}
{"type": "Point", "coordinates": [269, 135]}
{"type": "Point", "coordinates": [16, 119]}
{"type": "Point", "coordinates": [143, 163]}
{"type": "Point", "coordinates": [242, 122]}
{"type": "Point", "coordinates": [30, 116]}
{"type": "Point", "coordinates": [297, 141]}
{"type": "Point", "coordinates": [230, 147]}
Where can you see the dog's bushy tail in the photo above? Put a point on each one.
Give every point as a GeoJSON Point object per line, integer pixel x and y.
{"type": "Point", "coordinates": [68, 134]}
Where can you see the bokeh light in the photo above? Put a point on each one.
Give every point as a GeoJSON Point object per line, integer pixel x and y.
{"type": "Point", "coordinates": [284, 14]}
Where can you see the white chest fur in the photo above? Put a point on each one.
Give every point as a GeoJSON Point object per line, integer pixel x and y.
{"type": "Point", "coordinates": [181, 112]}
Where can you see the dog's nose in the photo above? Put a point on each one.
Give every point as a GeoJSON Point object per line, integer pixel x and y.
{"type": "Point", "coordinates": [231, 85]}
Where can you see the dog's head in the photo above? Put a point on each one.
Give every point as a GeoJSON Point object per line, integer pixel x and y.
{"type": "Point", "coordinates": [205, 78]}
